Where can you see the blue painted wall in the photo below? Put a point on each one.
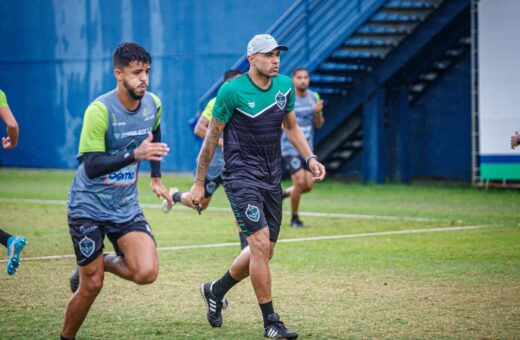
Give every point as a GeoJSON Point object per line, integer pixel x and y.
{"type": "Point", "coordinates": [56, 59]}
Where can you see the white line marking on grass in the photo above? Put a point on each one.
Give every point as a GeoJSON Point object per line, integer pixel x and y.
{"type": "Point", "coordinates": [302, 213]}
{"type": "Point", "coordinates": [290, 240]}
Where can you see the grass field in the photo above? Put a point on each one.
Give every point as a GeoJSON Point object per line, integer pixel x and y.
{"type": "Point", "coordinates": [453, 284]}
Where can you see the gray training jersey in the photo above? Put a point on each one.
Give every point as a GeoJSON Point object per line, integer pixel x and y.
{"type": "Point", "coordinates": [109, 127]}
{"type": "Point", "coordinates": [304, 109]}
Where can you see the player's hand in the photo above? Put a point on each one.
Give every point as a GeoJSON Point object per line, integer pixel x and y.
{"type": "Point", "coordinates": [151, 151]}
{"type": "Point", "coordinates": [197, 194]}
{"type": "Point", "coordinates": [318, 107]}
{"type": "Point", "coordinates": [515, 140]}
{"type": "Point", "coordinates": [161, 191]}
{"type": "Point", "coordinates": [6, 143]}
{"type": "Point", "coordinates": [317, 169]}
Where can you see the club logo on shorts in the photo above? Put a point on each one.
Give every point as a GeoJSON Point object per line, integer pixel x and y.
{"type": "Point", "coordinates": [87, 246]}
{"type": "Point", "coordinates": [253, 213]}
{"type": "Point", "coordinates": [210, 187]}
{"type": "Point", "coordinates": [296, 163]}
{"type": "Point", "coordinates": [280, 100]}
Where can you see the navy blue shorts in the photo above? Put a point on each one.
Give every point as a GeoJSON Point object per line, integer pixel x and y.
{"type": "Point", "coordinates": [211, 185]}
{"type": "Point", "coordinates": [293, 164]}
{"type": "Point", "coordinates": [88, 235]}
{"type": "Point", "coordinates": [255, 208]}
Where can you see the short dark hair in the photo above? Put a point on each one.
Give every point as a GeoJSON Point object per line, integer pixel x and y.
{"type": "Point", "coordinates": [298, 69]}
{"type": "Point", "coordinates": [126, 52]}
{"type": "Point", "coordinates": [230, 74]}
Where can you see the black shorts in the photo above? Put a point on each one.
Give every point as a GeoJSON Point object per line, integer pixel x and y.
{"type": "Point", "coordinates": [88, 235]}
{"type": "Point", "coordinates": [293, 164]}
{"type": "Point", "coordinates": [255, 208]}
{"type": "Point", "coordinates": [211, 185]}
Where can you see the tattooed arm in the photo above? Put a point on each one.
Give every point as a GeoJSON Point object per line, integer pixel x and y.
{"type": "Point", "coordinates": [205, 156]}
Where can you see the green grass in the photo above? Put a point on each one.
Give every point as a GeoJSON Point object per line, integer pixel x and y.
{"type": "Point", "coordinates": [459, 284]}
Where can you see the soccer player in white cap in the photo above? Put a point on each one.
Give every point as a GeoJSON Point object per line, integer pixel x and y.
{"type": "Point", "coordinates": [250, 111]}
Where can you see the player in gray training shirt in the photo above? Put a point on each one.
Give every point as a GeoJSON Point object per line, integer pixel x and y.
{"type": "Point", "coordinates": [308, 108]}
{"type": "Point", "coordinates": [120, 129]}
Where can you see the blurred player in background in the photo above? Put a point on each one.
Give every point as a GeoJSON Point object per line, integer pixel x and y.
{"type": "Point", "coordinates": [120, 129]}
{"type": "Point", "coordinates": [250, 110]}
{"type": "Point", "coordinates": [14, 244]}
{"type": "Point", "coordinates": [309, 114]}
{"type": "Point", "coordinates": [214, 174]}
{"type": "Point", "coordinates": [515, 140]}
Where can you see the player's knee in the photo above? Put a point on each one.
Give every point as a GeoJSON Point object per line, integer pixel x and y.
{"type": "Point", "coordinates": [91, 286]}
{"type": "Point", "coordinates": [260, 249]}
{"type": "Point", "coordinates": [146, 275]}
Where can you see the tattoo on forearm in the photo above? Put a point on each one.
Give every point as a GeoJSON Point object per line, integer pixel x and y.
{"type": "Point", "coordinates": [208, 149]}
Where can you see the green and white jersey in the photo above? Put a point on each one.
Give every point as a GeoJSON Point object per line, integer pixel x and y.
{"type": "Point", "coordinates": [3, 99]}
{"type": "Point", "coordinates": [253, 118]}
{"type": "Point", "coordinates": [109, 127]}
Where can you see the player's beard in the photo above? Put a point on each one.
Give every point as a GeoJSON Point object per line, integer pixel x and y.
{"type": "Point", "coordinates": [131, 91]}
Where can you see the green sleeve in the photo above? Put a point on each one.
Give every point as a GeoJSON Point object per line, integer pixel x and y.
{"type": "Point", "coordinates": [95, 126]}
{"type": "Point", "coordinates": [159, 110]}
{"type": "Point", "coordinates": [208, 110]}
{"type": "Point", "coordinates": [3, 99]}
{"type": "Point", "coordinates": [225, 104]}
{"type": "Point", "coordinates": [292, 98]}
{"type": "Point", "coordinates": [317, 95]}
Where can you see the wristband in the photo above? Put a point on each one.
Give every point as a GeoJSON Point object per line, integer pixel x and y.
{"type": "Point", "coordinates": [309, 158]}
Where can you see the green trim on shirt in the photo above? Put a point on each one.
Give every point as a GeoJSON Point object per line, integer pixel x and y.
{"type": "Point", "coordinates": [95, 126]}
{"type": "Point", "coordinates": [208, 110]}
{"type": "Point", "coordinates": [3, 99]}
{"type": "Point", "coordinates": [159, 110]}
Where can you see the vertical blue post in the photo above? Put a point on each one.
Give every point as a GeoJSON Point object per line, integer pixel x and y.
{"type": "Point", "coordinates": [374, 139]}
{"type": "Point", "coordinates": [399, 127]}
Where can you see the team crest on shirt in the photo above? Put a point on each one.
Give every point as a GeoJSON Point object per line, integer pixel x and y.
{"type": "Point", "coordinates": [251, 104]}
{"type": "Point", "coordinates": [253, 213]}
{"type": "Point", "coordinates": [87, 246]}
{"type": "Point", "coordinates": [280, 100]}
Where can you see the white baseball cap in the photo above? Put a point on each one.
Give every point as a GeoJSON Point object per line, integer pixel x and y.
{"type": "Point", "coordinates": [264, 43]}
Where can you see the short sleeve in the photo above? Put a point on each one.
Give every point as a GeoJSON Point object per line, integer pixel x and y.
{"type": "Point", "coordinates": [158, 104]}
{"type": "Point", "coordinates": [3, 99]}
{"type": "Point", "coordinates": [225, 104]}
{"type": "Point", "coordinates": [292, 98]}
{"type": "Point", "coordinates": [95, 126]}
{"type": "Point", "coordinates": [208, 110]}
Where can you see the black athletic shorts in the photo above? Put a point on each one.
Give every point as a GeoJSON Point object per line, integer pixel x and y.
{"type": "Point", "coordinates": [88, 235]}
{"type": "Point", "coordinates": [294, 164]}
{"type": "Point", "coordinates": [255, 208]}
{"type": "Point", "coordinates": [211, 185]}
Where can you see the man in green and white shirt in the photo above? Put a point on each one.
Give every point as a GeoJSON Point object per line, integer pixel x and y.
{"type": "Point", "coordinates": [250, 111]}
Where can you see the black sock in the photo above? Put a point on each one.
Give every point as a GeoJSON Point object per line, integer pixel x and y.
{"type": "Point", "coordinates": [177, 196]}
{"type": "Point", "coordinates": [243, 240]}
{"type": "Point", "coordinates": [294, 217]}
{"type": "Point", "coordinates": [267, 309]}
{"type": "Point", "coordinates": [64, 338]}
{"type": "Point", "coordinates": [222, 285]}
{"type": "Point", "coordinates": [4, 237]}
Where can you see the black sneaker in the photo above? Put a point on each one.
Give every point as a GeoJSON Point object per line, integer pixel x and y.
{"type": "Point", "coordinates": [214, 305]}
{"type": "Point", "coordinates": [285, 194]}
{"type": "Point", "coordinates": [74, 281]}
{"type": "Point", "coordinates": [296, 222]}
{"type": "Point", "coordinates": [276, 329]}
